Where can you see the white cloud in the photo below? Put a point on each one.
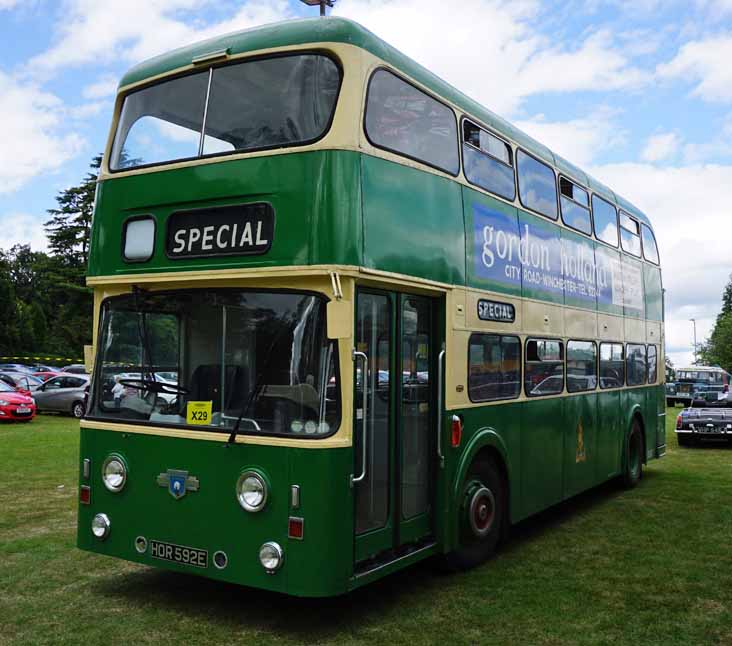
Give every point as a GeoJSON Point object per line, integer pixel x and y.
{"type": "Point", "coordinates": [22, 228]}
{"type": "Point", "coordinates": [581, 140]}
{"type": "Point", "coordinates": [33, 139]}
{"type": "Point", "coordinates": [8, 4]}
{"type": "Point", "coordinates": [95, 30]}
{"type": "Point", "coordinates": [659, 147]}
{"type": "Point", "coordinates": [705, 62]}
{"type": "Point", "coordinates": [101, 88]}
{"type": "Point", "coordinates": [688, 206]}
{"type": "Point", "coordinates": [719, 146]}
{"type": "Point", "coordinates": [493, 51]}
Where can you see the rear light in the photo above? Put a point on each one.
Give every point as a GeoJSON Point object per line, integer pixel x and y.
{"type": "Point", "coordinates": [679, 424]}
{"type": "Point", "coordinates": [295, 528]}
{"type": "Point", "coordinates": [85, 495]}
{"type": "Point", "coordinates": [457, 430]}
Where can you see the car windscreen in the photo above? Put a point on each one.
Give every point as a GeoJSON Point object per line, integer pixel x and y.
{"type": "Point", "coordinates": [254, 105]}
{"type": "Point", "coordinates": [218, 360]}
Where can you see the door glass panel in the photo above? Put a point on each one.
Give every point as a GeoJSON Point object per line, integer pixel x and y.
{"type": "Point", "coordinates": [373, 337]}
{"type": "Point", "coordinates": [415, 406]}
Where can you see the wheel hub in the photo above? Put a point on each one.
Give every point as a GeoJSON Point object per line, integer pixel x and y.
{"type": "Point", "coordinates": [481, 511]}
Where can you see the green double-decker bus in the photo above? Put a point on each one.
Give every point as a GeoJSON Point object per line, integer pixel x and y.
{"type": "Point", "coordinates": [347, 319]}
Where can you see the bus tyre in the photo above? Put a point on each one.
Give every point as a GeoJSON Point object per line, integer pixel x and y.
{"type": "Point", "coordinates": [77, 410]}
{"type": "Point", "coordinates": [482, 514]}
{"type": "Point", "coordinates": [633, 456]}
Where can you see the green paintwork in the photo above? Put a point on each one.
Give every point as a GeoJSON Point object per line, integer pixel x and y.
{"type": "Point", "coordinates": [212, 519]}
{"type": "Point", "coordinates": [404, 208]}
{"type": "Point", "coordinates": [313, 224]}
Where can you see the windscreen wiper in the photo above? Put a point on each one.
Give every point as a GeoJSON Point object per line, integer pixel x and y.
{"type": "Point", "coordinates": [258, 387]}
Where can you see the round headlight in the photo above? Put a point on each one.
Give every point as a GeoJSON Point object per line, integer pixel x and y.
{"type": "Point", "coordinates": [100, 526]}
{"type": "Point", "coordinates": [114, 473]}
{"type": "Point", "coordinates": [251, 491]}
{"type": "Point", "coordinates": [271, 557]}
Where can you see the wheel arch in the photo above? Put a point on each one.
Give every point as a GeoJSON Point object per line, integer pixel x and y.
{"type": "Point", "coordinates": [635, 413]}
{"type": "Point", "coordinates": [485, 442]}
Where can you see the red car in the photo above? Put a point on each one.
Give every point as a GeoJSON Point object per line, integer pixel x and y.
{"type": "Point", "coordinates": [15, 406]}
{"type": "Point", "coordinates": [45, 375]}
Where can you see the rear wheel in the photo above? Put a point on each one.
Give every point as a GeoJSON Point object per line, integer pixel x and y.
{"type": "Point", "coordinates": [482, 514]}
{"type": "Point", "coordinates": [78, 410]}
{"type": "Point", "coordinates": [633, 456]}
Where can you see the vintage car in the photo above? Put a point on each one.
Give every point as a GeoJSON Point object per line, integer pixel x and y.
{"type": "Point", "coordinates": [700, 386]}
{"type": "Point", "coordinates": [696, 424]}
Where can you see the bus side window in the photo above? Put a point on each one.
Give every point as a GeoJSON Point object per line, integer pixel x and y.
{"type": "Point", "coordinates": [544, 368]}
{"type": "Point", "coordinates": [537, 185]}
{"type": "Point", "coordinates": [635, 364]}
{"type": "Point", "coordinates": [650, 249]}
{"type": "Point", "coordinates": [612, 365]}
{"type": "Point", "coordinates": [575, 203]}
{"type": "Point", "coordinates": [494, 370]}
{"type": "Point", "coordinates": [488, 161]}
{"type": "Point", "coordinates": [629, 235]}
{"type": "Point", "coordinates": [581, 366]}
{"type": "Point", "coordinates": [405, 120]}
{"type": "Point", "coordinates": [652, 364]}
{"type": "Point", "coordinates": [606, 221]}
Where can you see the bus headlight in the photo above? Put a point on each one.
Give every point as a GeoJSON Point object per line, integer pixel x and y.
{"type": "Point", "coordinates": [251, 491]}
{"type": "Point", "coordinates": [271, 557]}
{"type": "Point", "coordinates": [114, 473]}
{"type": "Point", "coordinates": [100, 526]}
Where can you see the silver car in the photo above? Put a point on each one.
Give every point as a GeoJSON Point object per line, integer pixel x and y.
{"type": "Point", "coordinates": [65, 393]}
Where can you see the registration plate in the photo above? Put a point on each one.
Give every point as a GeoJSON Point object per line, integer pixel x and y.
{"type": "Point", "coordinates": [178, 554]}
{"type": "Point", "coordinates": [23, 409]}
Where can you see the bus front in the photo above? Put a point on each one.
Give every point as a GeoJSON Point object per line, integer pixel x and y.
{"type": "Point", "coordinates": [217, 439]}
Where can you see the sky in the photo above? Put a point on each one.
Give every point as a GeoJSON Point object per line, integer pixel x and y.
{"type": "Point", "coordinates": [636, 92]}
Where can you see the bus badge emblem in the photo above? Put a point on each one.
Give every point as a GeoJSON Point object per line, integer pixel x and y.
{"type": "Point", "coordinates": [178, 482]}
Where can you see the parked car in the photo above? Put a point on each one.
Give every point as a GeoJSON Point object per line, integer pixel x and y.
{"type": "Point", "coordinates": [21, 381]}
{"type": "Point", "coordinates": [700, 386]}
{"type": "Point", "coordinates": [45, 375]}
{"type": "Point", "coordinates": [14, 405]}
{"type": "Point", "coordinates": [65, 393]}
{"type": "Point", "coordinates": [14, 367]}
{"type": "Point", "coordinates": [696, 424]}
{"type": "Point", "coordinates": [75, 369]}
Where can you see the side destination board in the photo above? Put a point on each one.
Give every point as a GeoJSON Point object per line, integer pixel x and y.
{"type": "Point", "coordinates": [524, 254]}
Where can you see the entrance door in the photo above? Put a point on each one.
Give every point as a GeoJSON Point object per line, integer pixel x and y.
{"type": "Point", "coordinates": [396, 413]}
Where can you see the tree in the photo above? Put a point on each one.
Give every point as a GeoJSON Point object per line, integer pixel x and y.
{"type": "Point", "coordinates": [717, 349]}
{"type": "Point", "coordinates": [69, 228]}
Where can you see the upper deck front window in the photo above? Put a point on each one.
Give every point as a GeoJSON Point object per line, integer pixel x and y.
{"type": "Point", "coordinates": [254, 105]}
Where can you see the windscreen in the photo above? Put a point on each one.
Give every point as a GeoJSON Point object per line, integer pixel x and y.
{"type": "Point", "coordinates": [218, 360]}
{"type": "Point", "coordinates": [254, 105]}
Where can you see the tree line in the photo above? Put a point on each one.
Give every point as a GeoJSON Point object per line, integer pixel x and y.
{"type": "Point", "coordinates": [45, 306]}
{"type": "Point", "coordinates": [717, 349]}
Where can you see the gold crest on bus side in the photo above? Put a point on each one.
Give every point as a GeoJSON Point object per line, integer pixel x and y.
{"type": "Point", "coordinates": [581, 456]}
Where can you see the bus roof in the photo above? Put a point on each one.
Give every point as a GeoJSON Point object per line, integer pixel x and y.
{"type": "Point", "coordinates": [341, 30]}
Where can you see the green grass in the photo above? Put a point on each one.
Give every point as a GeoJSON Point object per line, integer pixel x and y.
{"type": "Point", "coordinates": [647, 566]}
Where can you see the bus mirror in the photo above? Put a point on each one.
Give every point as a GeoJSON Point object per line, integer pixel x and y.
{"type": "Point", "coordinates": [340, 319]}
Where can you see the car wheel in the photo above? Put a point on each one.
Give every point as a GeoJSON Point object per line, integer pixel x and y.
{"type": "Point", "coordinates": [78, 410]}
{"type": "Point", "coordinates": [482, 514]}
{"type": "Point", "coordinates": [633, 457]}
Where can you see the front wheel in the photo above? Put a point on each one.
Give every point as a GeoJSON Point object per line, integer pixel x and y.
{"type": "Point", "coordinates": [78, 410]}
{"type": "Point", "coordinates": [633, 457]}
{"type": "Point", "coordinates": [482, 514]}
